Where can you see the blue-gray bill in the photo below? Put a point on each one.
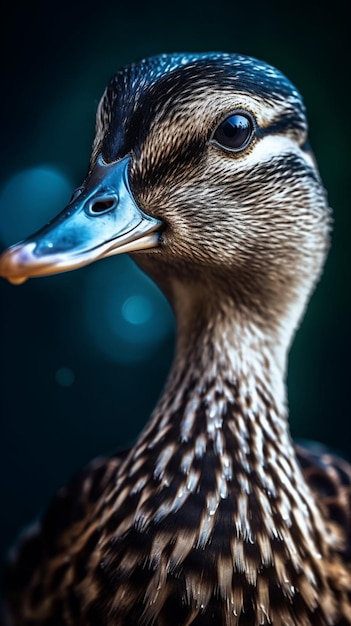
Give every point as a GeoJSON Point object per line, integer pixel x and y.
{"type": "Point", "coordinates": [102, 219]}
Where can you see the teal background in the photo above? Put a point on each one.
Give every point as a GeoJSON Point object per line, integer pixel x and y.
{"type": "Point", "coordinates": [70, 387]}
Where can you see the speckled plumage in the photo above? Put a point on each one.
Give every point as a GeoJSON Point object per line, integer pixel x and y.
{"type": "Point", "coordinates": [213, 516]}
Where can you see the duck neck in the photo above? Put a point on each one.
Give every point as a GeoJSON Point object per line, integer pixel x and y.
{"type": "Point", "coordinates": [220, 431]}
{"type": "Point", "coordinates": [216, 462]}
{"type": "Point", "coordinates": [227, 374]}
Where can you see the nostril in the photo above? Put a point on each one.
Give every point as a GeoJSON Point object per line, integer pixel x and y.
{"type": "Point", "coordinates": [102, 205]}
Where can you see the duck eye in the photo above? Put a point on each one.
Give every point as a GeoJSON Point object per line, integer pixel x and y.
{"type": "Point", "coordinates": [234, 133]}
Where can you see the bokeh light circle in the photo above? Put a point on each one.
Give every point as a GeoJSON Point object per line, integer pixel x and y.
{"type": "Point", "coordinates": [65, 376]}
{"type": "Point", "coordinates": [126, 315]}
{"type": "Point", "coordinates": [31, 198]}
{"type": "Point", "coordinates": [137, 309]}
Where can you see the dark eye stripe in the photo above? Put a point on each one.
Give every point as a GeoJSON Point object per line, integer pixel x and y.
{"type": "Point", "coordinates": [285, 124]}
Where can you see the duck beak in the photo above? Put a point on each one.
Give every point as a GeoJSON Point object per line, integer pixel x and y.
{"type": "Point", "coordinates": [101, 220]}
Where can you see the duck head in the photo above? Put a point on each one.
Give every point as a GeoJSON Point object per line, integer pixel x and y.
{"type": "Point", "coordinates": [201, 168]}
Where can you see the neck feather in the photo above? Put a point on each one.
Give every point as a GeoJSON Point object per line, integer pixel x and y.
{"type": "Point", "coordinates": [218, 442]}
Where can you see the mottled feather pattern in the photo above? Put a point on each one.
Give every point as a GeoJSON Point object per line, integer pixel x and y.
{"type": "Point", "coordinates": [213, 517]}
{"type": "Point", "coordinates": [329, 477]}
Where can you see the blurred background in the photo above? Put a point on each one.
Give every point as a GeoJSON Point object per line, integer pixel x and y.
{"type": "Point", "coordinates": [84, 355]}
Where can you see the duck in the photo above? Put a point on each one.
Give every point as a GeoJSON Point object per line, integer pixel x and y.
{"type": "Point", "coordinates": [202, 171]}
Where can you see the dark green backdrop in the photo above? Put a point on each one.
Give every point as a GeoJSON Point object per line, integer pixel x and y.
{"type": "Point", "coordinates": [65, 397]}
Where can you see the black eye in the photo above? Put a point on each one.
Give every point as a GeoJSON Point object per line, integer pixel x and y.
{"type": "Point", "coordinates": [235, 132]}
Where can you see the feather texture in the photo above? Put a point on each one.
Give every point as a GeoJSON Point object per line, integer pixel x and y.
{"type": "Point", "coordinates": [213, 516]}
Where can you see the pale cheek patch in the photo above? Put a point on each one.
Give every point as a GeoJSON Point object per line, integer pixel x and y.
{"type": "Point", "coordinates": [271, 147]}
